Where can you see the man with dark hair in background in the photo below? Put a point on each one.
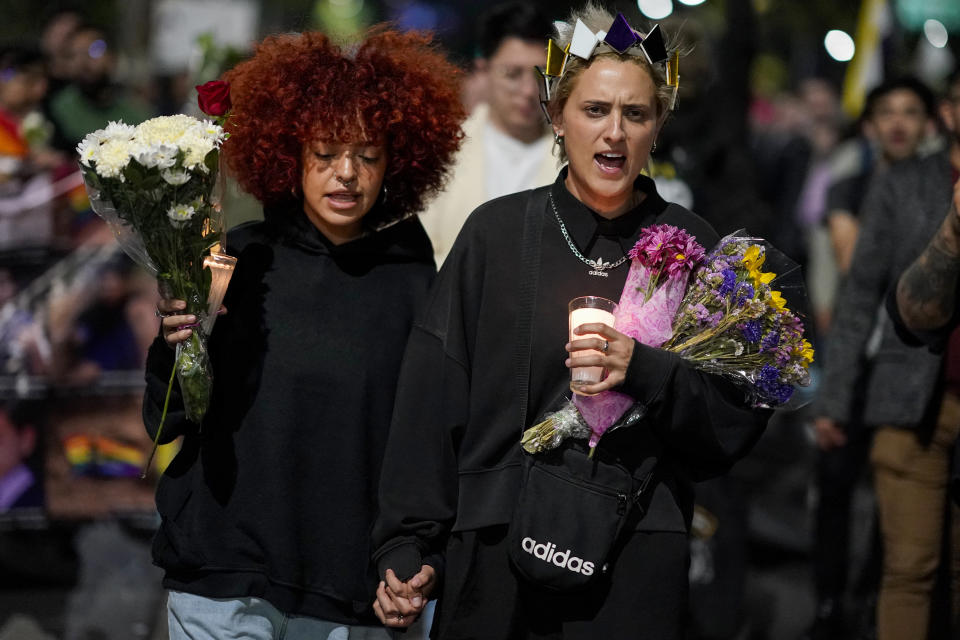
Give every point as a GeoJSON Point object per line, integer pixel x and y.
{"type": "Point", "coordinates": [925, 299]}
{"type": "Point", "coordinates": [916, 420]}
{"type": "Point", "coordinates": [898, 115]}
{"type": "Point", "coordinates": [507, 145]}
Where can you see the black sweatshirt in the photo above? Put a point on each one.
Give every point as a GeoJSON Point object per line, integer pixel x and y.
{"type": "Point", "coordinates": [275, 496]}
{"type": "Point", "coordinates": [453, 457]}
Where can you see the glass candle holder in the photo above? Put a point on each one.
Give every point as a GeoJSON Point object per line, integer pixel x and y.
{"type": "Point", "coordinates": [584, 310]}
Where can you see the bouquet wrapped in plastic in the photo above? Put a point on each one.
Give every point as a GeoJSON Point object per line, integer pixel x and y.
{"type": "Point", "coordinates": [734, 320]}
{"type": "Point", "coordinates": [153, 184]}
{"type": "Point", "coordinates": [726, 316]}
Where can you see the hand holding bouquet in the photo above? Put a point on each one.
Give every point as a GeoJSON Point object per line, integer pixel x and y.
{"type": "Point", "coordinates": [153, 184]}
{"type": "Point", "coordinates": [732, 320]}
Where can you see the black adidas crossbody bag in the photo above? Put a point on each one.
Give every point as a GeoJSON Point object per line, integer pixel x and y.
{"type": "Point", "coordinates": [572, 513]}
{"type": "Point", "coordinates": [572, 509]}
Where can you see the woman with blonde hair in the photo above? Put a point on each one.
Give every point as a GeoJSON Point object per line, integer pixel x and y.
{"type": "Point", "coordinates": [487, 359]}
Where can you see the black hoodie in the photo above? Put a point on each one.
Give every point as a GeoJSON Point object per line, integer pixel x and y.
{"type": "Point", "coordinates": [274, 497]}
{"type": "Point", "coordinates": [453, 462]}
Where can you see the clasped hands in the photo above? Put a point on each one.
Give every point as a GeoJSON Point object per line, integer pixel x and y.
{"type": "Point", "coordinates": [398, 603]}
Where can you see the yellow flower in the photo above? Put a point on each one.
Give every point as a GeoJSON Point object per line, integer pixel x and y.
{"type": "Point", "coordinates": [805, 351]}
{"type": "Point", "coordinates": [752, 258]}
{"type": "Point", "coordinates": [761, 277]}
{"type": "Point", "coordinates": [776, 301]}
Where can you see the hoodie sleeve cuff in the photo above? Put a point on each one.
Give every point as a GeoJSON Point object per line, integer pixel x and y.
{"type": "Point", "coordinates": [405, 560]}
{"type": "Point", "coordinates": [648, 372]}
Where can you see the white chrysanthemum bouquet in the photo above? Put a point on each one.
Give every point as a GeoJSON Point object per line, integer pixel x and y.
{"type": "Point", "coordinates": [154, 184]}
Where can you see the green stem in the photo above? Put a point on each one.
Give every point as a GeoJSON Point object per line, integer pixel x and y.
{"type": "Point", "coordinates": [705, 335]}
{"type": "Point", "coordinates": [163, 417]}
{"type": "Point", "coordinates": [651, 286]}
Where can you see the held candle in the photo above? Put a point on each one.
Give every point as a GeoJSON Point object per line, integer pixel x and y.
{"type": "Point", "coordinates": [588, 309]}
{"type": "Point", "coordinates": [221, 270]}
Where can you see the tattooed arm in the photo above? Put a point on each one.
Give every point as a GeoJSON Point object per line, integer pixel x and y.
{"type": "Point", "coordinates": [926, 292]}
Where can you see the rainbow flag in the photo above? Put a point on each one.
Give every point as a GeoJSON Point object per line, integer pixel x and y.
{"type": "Point", "coordinates": [103, 457]}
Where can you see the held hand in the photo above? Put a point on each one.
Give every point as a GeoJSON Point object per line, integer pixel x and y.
{"type": "Point", "coordinates": [175, 324]}
{"type": "Point", "coordinates": [399, 604]}
{"type": "Point", "coordinates": [829, 433]}
{"type": "Point", "coordinates": [616, 350]}
{"type": "Point", "coordinates": [173, 321]}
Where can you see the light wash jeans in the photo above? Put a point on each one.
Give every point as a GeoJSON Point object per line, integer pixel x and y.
{"type": "Point", "coordinates": [192, 617]}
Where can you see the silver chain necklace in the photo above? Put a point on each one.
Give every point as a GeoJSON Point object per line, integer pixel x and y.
{"type": "Point", "coordinates": [599, 267]}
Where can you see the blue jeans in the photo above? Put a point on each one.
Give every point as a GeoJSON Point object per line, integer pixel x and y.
{"type": "Point", "coordinates": [192, 617]}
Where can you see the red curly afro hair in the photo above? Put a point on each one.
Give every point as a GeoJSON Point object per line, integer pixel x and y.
{"type": "Point", "coordinates": [395, 90]}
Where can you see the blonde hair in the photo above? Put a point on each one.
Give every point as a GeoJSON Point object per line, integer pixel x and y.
{"type": "Point", "coordinates": [597, 18]}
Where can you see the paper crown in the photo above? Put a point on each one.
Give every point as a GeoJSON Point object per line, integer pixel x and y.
{"type": "Point", "coordinates": [620, 37]}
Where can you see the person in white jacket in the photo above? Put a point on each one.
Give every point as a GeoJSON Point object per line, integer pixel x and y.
{"type": "Point", "coordinates": [508, 145]}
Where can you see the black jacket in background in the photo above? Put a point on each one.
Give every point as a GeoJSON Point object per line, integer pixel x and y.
{"type": "Point", "coordinates": [453, 459]}
{"type": "Point", "coordinates": [274, 497]}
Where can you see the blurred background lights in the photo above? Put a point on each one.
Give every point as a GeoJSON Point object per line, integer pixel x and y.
{"type": "Point", "coordinates": [97, 49]}
{"type": "Point", "coordinates": [839, 45]}
{"type": "Point", "coordinates": [692, 3]}
{"type": "Point", "coordinates": [936, 33]}
{"type": "Point", "coordinates": [655, 9]}
{"type": "Point", "coordinates": [346, 9]}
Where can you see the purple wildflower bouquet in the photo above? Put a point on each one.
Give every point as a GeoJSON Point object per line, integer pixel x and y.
{"type": "Point", "coordinates": [735, 322]}
{"type": "Point", "coordinates": [729, 320]}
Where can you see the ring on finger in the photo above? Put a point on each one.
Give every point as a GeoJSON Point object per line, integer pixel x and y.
{"type": "Point", "coordinates": [161, 314]}
{"type": "Point", "coordinates": [606, 345]}
{"type": "Point", "coordinates": [399, 618]}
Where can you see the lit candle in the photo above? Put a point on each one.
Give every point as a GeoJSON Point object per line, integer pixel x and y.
{"type": "Point", "coordinates": [221, 270]}
{"type": "Point", "coordinates": [585, 310]}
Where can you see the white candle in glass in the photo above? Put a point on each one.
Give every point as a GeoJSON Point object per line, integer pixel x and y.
{"type": "Point", "coordinates": [586, 310]}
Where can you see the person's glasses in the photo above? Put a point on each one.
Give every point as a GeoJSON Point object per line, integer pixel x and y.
{"type": "Point", "coordinates": [514, 75]}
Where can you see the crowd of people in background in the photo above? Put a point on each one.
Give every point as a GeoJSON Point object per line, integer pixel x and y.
{"type": "Point", "coordinates": [70, 307]}
{"type": "Point", "coordinates": [852, 201]}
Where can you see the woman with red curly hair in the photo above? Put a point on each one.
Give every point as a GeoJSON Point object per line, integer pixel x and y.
{"type": "Point", "coordinates": [266, 511]}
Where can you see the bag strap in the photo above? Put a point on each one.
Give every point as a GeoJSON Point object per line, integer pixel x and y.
{"type": "Point", "coordinates": [530, 277]}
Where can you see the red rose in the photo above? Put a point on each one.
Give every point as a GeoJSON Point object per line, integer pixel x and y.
{"type": "Point", "coordinates": [214, 98]}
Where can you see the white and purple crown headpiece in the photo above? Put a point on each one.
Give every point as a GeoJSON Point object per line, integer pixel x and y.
{"type": "Point", "coordinates": [621, 38]}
